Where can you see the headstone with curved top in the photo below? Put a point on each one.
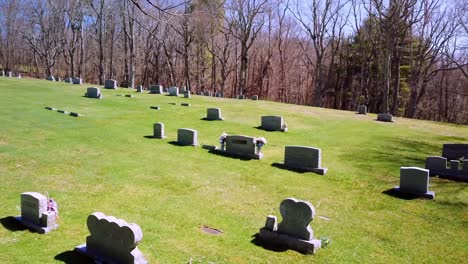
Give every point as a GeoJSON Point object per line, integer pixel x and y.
{"type": "Point", "coordinates": [294, 230]}
{"type": "Point", "coordinates": [112, 240]}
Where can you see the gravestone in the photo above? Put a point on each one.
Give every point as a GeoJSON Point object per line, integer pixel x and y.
{"type": "Point", "coordinates": [183, 89]}
{"type": "Point", "coordinates": [187, 94]}
{"type": "Point", "coordinates": [93, 92]}
{"type": "Point", "coordinates": [214, 114]}
{"type": "Point", "coordinates": [129, 95]}
{"type": "Point", "coordinates": [254, 97]}
{"type": "Point", "coordinates": [243, 146]}
{"type": "Point", "coordinates": [75, 114]}
{"type": "Point", "coordinates": [9, 74]}
{"type": "Point", "coordinates": [362, 110]}
{"type": "Point", "coordinates": [58, 79]}
{"type": "Point", "coordinates": [35, 214]}
{"type": "Point", "coordinates": [454, 166]}
{"type": "Point", "coordinates": [76, 80]}
{"type": "Point", "coordinates": [185, 104]}
{"type": "Point", "coordinates": [2, 73]}
{"type": "Point", "coordinates": [455, 151]}
{"type": "Point", "coordinates": [415, 181]}
{"type": "Point", "coordinates": [50, 78]}
{"type": "Point", "coordinates": [19, 75]}
{"type": "Point", "coordinates": [173, 91]}
{"type": "Point", "coordinates": [112, 240]}
{"type": "Point", "coordinates": [156, 89]}
{"type": "Point", "coordinates": [67, 80]}
{"type": "Point", "coordinates": [436, 164]}
{"type": "Point", "coordinates": [207, 93]}
{"type": "Point", "coordinates": [385, 117]}
{"type": "Point", "coordinates": [273, 123]}
{"type": "Point", "coordinates": [139, 88]}
{"type": "Point", "coordinates": [187, 137]}
{"type": "Point", "coordinates": [110, 84]}
{"type": "Point", "coordinates": [219, 95]}
{"type": "Point", "coordinates": [304, 158]}
{"type": "Point", "coordinates": [240, 96]}
{"type": "Point", "coordinates": [158, 130]}
{"type": "Point", "coordinates": [294, 230]}
{"type": "Point", "coordinates": [464, 171]}
{"type": "Point", "coordinates": [155, 107]}
{"type": "Point", "coordinates": [63, 112]}
{"type": "Point", "coordinates": [165, 90]}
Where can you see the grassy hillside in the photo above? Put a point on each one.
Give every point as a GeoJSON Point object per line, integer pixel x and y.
{"type": "Point", "coordinates": [103, 162]}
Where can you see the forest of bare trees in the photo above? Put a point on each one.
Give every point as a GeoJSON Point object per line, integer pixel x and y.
{"type": "Point", "coordinates": [404, 57]}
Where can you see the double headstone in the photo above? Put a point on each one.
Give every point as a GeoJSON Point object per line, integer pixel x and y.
{"type": "Point", "coordinates": [187, 137]}
{"type": "Point", "coordinates": [415, 181]}
{"type": "Point", "coordinates": [156, 89]}
{"type": "Point", "coordinates": [243, 146]}
{"type": "Point", "coordinates": [362, 110]}
{"type": "Point", "coordinates": [93, 92]}
{"type": "Point", "coordinates": [304, 158]}
{"type": "Point", "coordinates": [110, 84]}
{"type": "Point", "coordinates": [158, 130]}
{"type": "Point", "coordinates": [112, 240]}
{"type": "Point", "coordinates": [385, 117]}
{"type": "Point", "coordinates": [294, 230]}
{"type": "Point", "coordinates": [273, 123]}
{"type": "Point", "coordinates": [35, 214]}
{"type": "Point", "coordinates": [214, 114]}
{"type": "Point", "coordinates": [173, 91]}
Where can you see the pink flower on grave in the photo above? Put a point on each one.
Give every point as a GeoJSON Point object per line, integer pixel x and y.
{"type": "Point", "coordinates": [222, 138]}
{"type": "Point", "coordinates": [261, 140]}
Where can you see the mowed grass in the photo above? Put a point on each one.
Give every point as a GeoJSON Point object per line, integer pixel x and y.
{"type": "Point", "coordinates": [103, 162]}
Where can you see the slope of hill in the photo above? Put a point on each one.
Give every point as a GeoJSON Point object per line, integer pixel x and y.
{"type": "Point", "coordinates": [102, 161]}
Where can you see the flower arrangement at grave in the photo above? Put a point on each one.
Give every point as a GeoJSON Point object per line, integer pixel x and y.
{"type": "Point", "coordinates": [260, 142]}
{"type": "Point", "coordinates": [52, 205]}
{"type": "Point", "coordinates": [222, 140]}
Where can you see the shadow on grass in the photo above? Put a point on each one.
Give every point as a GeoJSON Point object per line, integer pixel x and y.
{"type": "Point", "coordinates": [206, 119]}
{"type": "Point", "coordinates": [73, 257]}
{"type": "Point", "coordinates": [151, 137]}
{"type": "Point", "coordinates": [175, 143]}
{"type": "Point", "coordinates": [272, 247]}
{"type": "Point", "coordinates": [263, 129]}
{"type": "Point", "coordinates": [283, 167]}
{"type": "Point", "coordinates": [209, 147]}
{"type": "Point", "coordinates": [405, 196]}
{"type": "Point", "coordinates": [225, 154]}
{"type": "Point", "coordinates": [12, 224]}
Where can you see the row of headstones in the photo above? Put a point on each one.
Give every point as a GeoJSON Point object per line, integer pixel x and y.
{"type": "Point", "coordinates": [295, 157]}
{"type": "Point", "coordinates": [456, 154]}
{"type": "Point", "coordinates": [415, 181]}
{"type": "Point", "coordinates": [10, 74]}
{"type": "Point", "coordinates": [73, 80]}
{"type": "Point", "coordinates": [362, 110]}
{"type": "Point", "coordinates": [114, 240]}
{"type": "Point", "coordinates": [75, 114]}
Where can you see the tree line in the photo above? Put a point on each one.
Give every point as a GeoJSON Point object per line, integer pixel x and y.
{"type": "Point", "coordinates": [404, 57]}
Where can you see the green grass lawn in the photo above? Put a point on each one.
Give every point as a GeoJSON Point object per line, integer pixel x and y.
{"type": "Point", "coordinates": [103, 162]}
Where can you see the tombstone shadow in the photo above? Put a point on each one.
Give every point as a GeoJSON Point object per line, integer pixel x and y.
{"type": "Point", "coordinates": [175, 143]}
{"type": "Point", "coordinates": [404, 196]}
{"type": "Point", "coordinates": [261, 128]}
{"type": "Point", "coordinates": [73, 257]}
{"type": "Point", "coordinates": [12, 224]}
{"type": "Point", "coordinates": [206, 119]}
{"type": "Point", "coordinates": [228, 155]}
{"type": "Point", "coordinates": [151, 137]}
{"type": "Point", "coordinates": [284, 167]}
{"type": "Point", "coordinates": [209, 147]}
{"type": "Point", "coordinates": [268, 246]}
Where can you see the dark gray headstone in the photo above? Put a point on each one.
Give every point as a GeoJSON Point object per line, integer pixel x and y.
{"type": "Point", "coordinates": [77, 80]}
{"type": "Point", "coordinates": [214, 114]}
{"type": "Point", "coordinates": [254, 97]}
{"type": "Point", "coordinates": [187, 137]}
{"type": "Point", "coordinates": [139, 88]}
{"type": "Point", "coordinates": [304, 158]}
{"type": "Point", "coordinates": [187, 94]}
{"type": "Point", "coordinates": [173, 91]}
{"type": "Point", "coordinates": [110, 84]}
{"type": "Point", "coordinates": [158, 130]}
{"type": "Point", "coordinates": [240, 96]}
{"type": "Point", "coordinates": [50, 78]}
{"type": "Point", "coordinates": [273, 123]}
{"type": "Point", "coordinates": [455, 151]}
{"type": "Point", "coordinates": [93, 92]}
{"type": "Point", "coordinates": [385, 117]}
{"type": "Point", "coordinates": [156, 89]}
{"type": "Point", "coordinates": [362, 109]}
